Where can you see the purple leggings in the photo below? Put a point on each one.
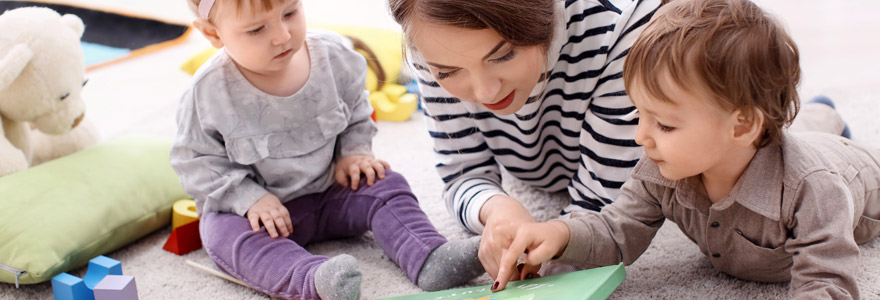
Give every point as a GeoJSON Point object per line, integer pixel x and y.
{"type": "Point", "coordinates": [282, 268]}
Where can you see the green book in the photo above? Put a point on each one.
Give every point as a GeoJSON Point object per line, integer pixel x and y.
{"type": "Point", "coordinates": [590, 284]}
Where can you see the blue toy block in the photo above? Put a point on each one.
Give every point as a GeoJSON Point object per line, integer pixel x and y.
{"type": "Point", "coordinates": [69, 287]}
{"type": "Point", "coordinates": [115, 287]}
{"type": "Point", "coordinates": [99, 267]}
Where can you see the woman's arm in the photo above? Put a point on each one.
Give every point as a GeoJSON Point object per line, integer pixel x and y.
{"type": "Point", "coordinates": [608, 151]}
{"type": "Point", "coordinates": [464, 161]}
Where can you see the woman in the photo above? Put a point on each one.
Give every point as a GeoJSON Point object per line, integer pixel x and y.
{"type": "Point", "coordinates": [533, 86]}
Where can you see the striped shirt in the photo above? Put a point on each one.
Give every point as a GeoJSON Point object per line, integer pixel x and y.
{"type": "Point", "coordinates": [578, 136]}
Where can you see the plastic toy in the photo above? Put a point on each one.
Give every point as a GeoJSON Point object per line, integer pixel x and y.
{"type": "Point", "coordinates": [393, 103]}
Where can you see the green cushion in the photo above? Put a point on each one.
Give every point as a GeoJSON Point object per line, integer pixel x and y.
{"type": "Point", "coordinates": [57, 216]}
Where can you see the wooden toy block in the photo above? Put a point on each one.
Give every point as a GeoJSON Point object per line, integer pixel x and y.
{"type": "Point", "coordinates": [116, 287]}
{"type": "Point", "coordinates": [69, 287]}
{"type": "Point", "coordinates": [184, 239]}
{"type": "Point", "coordinates": [183, 212]}
{"type": "Point", "coordinates": [99, 267]}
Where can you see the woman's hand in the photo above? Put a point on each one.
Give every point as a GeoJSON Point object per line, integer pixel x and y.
{"type": "Point", "coordinates": [351, 167]}
{"type": "Point", "coordinates": [540, 242]}
{"type": "Point", "coordinates": [273, 214]}
{"type": "Point", "coordinates": [503, 216]}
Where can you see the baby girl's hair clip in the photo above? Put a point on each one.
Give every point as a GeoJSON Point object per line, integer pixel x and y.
{"type": "Point", "coordinates": [205, 8]}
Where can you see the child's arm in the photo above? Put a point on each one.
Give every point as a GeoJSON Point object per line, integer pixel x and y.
{"type": "Point", "coordinates": [621, 232]}
{"type": "Point", "coordinates": [206, 171]}
{"type": "Point", "coordinates": [825, 255]}
{"type": "Point", "coordinates": [354, 155]}
{"type": "Point", "coordinates": [349, 72]}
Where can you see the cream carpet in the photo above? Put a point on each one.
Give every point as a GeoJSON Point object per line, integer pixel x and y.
{"type": "Point", "coordinates": [838, 42]}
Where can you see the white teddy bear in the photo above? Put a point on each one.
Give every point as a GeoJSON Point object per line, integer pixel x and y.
{"type": "Point", "coordinates": [41, 76]}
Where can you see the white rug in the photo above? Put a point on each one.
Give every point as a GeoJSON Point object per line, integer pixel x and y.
{"type": "Point", "coordinates": [838, 46]}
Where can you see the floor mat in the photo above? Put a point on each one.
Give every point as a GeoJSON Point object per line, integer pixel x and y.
{"type": "Point", "coordinates": [111, 37]}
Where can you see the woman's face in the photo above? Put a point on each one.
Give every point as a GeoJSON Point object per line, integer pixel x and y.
{"type": "Point", "coordinates": [479, 66]}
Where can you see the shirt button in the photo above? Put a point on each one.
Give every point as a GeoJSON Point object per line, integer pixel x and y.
{"type": "Point", "coordinates": [715, 224]}
{"type": "Point", "coordinates": [716, 255]}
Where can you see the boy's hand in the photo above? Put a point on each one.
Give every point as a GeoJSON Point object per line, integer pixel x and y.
{"type": "Point", "coordinates": [540, 242]}
{"type": "Point", "coordinates": [351, 167]}
{"type": "Point", "coordinates": [273, 214]}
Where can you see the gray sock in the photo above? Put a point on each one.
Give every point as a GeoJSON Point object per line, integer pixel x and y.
{"type": "Point", "coordinates": [450, 265]}
{"type": "Point", "coordinates": [338, 278]}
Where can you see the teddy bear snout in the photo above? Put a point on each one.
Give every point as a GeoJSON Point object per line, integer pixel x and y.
{"type": "Point", "coordinates": [78, 119]}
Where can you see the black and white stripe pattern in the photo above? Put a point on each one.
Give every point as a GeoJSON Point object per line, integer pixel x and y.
{"type": "Point", "coordinates": [579, 136]}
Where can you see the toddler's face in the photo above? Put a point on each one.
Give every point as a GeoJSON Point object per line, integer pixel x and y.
{"type": "Point", "coordinates": [689, 136]}
{"type": "Point", "coordinates": [478, 66]}
{"type": "Point", "coordinates": [263, 42]}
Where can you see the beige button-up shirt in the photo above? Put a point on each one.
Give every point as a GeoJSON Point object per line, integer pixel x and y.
{"type": "Point", "coordinates": [797, 213]}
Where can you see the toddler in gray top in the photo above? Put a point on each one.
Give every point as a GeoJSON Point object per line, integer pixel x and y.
{"type": "Point", "coordinates": [275, 131]}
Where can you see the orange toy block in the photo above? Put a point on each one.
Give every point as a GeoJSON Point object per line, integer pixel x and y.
{"type": "Point", "coordinates": [184, 239]}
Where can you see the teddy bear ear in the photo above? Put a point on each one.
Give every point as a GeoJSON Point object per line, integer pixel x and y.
{"type": "Point", "coordinates": [12, 63]}
{"type": "Point", "coordinates": [74, 23]}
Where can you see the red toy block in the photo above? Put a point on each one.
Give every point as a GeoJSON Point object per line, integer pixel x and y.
{"type": "Point", "coordinates": [184, 239]}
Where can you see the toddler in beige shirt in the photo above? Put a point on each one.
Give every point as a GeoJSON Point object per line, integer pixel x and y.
{"type": "Point", "coordinates": [715, 84]}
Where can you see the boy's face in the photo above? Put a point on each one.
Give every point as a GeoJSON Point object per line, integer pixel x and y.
{"type": "Point", "coordinates": [479, 66]}
{"type": "Point", "coordinates": [689, 136]}
{"type": "Point", "coordinates": [262, 42]}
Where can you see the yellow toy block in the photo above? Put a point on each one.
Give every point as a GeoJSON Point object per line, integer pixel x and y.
{"type": "Point", "coordinates": [183, 212]}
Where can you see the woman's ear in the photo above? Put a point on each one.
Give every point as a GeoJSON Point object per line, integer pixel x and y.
{"type": "Point", "coordinates": [209, 31]}
{"type": "Point", "coordinates": [748, 128]}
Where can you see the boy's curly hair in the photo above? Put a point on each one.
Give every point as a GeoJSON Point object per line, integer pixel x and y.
{"type": "Point", "coordinates": [729, 51]}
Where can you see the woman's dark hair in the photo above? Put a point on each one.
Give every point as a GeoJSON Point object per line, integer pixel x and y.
{"type": "Point", "coordinates": [519, 22]}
